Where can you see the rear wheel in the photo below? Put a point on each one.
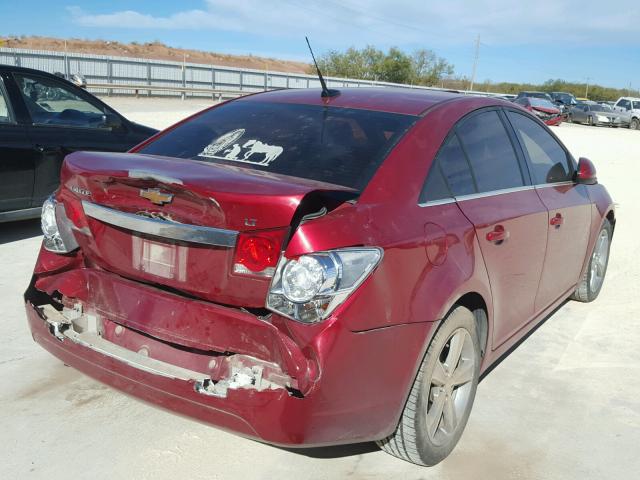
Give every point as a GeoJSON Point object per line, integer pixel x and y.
{"type": "Point", "coordinates": [593, 278]}
{"type": "Point", "coordinates": [442, 394]}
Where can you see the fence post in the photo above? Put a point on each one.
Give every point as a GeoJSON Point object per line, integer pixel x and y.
{"type": "Point", "coordinates": [241, 80]}
{"type": "Point", "coordinates": [287, 80]}
{"type": "Point", "coordinates": [213, 83]}
{"type": "Point", "coordinates": [16, 59]}
{"type": "Point", "coordinates": [149, 78]}
{"type": "Point", "coordinates": [184, 78]}
{"type": "Point", "coordinates": [265, 81]}
{"type": "Point", "coordinates": [109, 76]}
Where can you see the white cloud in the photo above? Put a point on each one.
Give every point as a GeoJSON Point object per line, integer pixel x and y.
{"type": "Point", "coordinates": [340, 23]}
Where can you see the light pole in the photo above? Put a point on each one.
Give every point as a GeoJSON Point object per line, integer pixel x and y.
{"type": "Point", "coordinates": [475, 62]}
{"type": "Point", "coordinates": [586, 90]}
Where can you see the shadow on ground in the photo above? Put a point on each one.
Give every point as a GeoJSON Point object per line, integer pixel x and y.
{"type": "Point", "coordinates": [337, 451]}
{"type": "Point", "coordinates": [14, 231]}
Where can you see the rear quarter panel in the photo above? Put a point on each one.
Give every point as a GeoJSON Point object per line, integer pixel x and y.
{"type": "Point", "coordinates": [407, 287]}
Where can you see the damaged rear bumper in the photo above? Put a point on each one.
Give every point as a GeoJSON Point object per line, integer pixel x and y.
{"type": "Point", "coordinates": [223, 366]}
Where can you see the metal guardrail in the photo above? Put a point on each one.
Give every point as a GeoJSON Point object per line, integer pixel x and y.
{"type": "Point", "coordinates": [124, 75]}
{"type": "Point", "coordinates": [215, 93]}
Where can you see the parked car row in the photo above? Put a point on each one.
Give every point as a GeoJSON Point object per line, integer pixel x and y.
{"type": "Point", "coordinates": [555, 107]}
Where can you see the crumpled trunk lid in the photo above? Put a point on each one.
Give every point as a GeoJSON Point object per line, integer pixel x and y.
{"type": "Point", "coordinates": [175, 222]}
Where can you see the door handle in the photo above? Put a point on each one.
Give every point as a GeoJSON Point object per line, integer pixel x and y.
{"type": "Point", "coordinates": [498, 234]}
{"type": "Point", "coordinates": [48, 149]}
{"type": "Point", "coordinates": [557, 220]}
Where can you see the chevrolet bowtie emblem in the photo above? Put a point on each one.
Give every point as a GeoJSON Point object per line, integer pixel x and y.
{"type": "Point", "coordinates": [156, 196]}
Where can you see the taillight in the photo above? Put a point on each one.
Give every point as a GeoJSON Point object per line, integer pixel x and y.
{"type": "Point", "coordinates": [56, 227]}
{"type": "Point", "coordinates": [257, 253]}
{"type": "Point", "coordinates": [309, 288]}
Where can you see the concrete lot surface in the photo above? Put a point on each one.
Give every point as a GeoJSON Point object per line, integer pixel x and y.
{"type": "Point", "coordinates": [564, 405]}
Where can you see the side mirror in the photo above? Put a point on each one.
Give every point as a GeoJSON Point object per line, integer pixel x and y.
{"type": "Point", "coordinates": [586, 173]}
{"type": "Point", "coordinates": [112, 121]}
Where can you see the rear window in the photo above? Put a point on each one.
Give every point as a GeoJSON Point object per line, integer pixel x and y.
{"type": "Point", "coordinates": [335, 145]}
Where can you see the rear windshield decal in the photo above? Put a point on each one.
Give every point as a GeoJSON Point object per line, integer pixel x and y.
{"type": "Point", "coordinates": [229, 147]}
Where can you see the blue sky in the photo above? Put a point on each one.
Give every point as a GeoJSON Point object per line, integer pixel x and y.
{"type": "Point", "coordinates": [521, 41]}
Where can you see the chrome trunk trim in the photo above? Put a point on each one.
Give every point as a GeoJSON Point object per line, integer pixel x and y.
{"type": "Point", "coordinates": [161, 228]}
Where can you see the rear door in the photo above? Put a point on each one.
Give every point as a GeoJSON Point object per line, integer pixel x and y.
{"type": "Point", "coordinates": [16, 158]}
{"type": "Point", "coordinates": [63, 120]}
{"type": "Point", "coordinates": [568, 204]}
{"type": "Point", "coordinates": [495, 194]}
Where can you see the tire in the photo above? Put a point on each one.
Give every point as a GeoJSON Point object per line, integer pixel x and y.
{"type": "Point", "coordinates": [593, 278]}
{"type": "Point", "coordinates": [427, 440]}
{"type": "Point", "coordinates": [590, 121]}
{"type": "Point", "coordinates": [569, 118]}
{"type": "Point", "coordinates": [635, 124]}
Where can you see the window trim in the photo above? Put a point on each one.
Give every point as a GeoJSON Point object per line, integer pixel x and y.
{"type": "Point", "coordinates": [494, 193]}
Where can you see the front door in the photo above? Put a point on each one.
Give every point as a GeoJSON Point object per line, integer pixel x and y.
{"type": "Point", "coordinates": [507, 214]}
{"type": "Point", "coordinates": [568, 205]}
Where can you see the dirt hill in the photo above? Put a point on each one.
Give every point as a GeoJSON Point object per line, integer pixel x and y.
{"type": "Point", "coordinates": [153, 50]}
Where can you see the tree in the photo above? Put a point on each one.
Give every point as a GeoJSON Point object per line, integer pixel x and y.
{"type": "Point", "coordinates": [424, 67]}
{"type": "Point", "coordinates": [428, 68]}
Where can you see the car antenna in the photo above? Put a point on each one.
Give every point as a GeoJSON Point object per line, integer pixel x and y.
{"type": "Point", "coordinates": [326, 92]}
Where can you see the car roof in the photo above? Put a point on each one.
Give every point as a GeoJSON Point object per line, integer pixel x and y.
{"type": "Point", "coordinates": [392, 100]}
{"type": "Point", "coordinates": [13, 68]}
{"type": "Point", "coordinates": [635, 99]}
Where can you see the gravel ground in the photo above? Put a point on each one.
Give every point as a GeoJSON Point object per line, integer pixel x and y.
{"type": "Point", "coordinates": [565, 404]}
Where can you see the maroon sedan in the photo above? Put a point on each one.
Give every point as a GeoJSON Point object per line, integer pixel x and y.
{"type": "Point", "coordinates": [308, 270]}
{"type": "Point", "coordinates": [543, 109]}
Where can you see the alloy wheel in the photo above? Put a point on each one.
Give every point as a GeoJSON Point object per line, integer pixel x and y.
{"type": "Point", "coordinates": [451, 386]}
{"type": "Point", "coordinates": [599, 261]}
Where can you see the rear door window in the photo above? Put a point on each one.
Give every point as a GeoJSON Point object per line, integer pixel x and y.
{"type": "Point", "coordinates": [455, 168]}
{"type": "Point", "coordinates": [435, 188]}
{"type": "Point", "coordinates": [341, 146]}
{"type": "Point", "coordinates": [491, 154]}
{"type": "Point", "coordinates": [548, 161]}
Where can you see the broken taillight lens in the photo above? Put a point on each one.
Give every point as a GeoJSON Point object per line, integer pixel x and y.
{"type": "Point", "coordinates": [56, 227]}
{"type": "Point", "coordinates": [257, 253]}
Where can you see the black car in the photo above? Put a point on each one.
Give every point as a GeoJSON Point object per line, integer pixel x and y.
{"type": "Point", "coordinates": [42, 119]}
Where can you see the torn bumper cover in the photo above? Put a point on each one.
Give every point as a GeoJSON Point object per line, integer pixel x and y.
{"type": "Point", "coordinates": [224, 366]}
{"type": "Point", "coordinates": [89, 331]}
